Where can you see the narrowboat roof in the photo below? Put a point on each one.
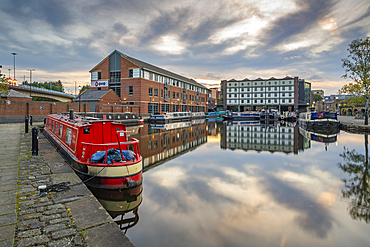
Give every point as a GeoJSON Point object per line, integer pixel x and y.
{"type": "Point", "coordinates": [78, 121]}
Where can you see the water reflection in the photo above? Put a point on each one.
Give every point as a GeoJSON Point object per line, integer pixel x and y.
{"type": "Point", "coordinates": [122, 205]}
{"type": "Point", "coordinates": [287, 193]}
{"type": "Point", "coordinates": [326, 137]}
{"type": "Point", "coordinates": [161, 142]}
{"type": "Point", "coordinates": [254, 135]}
{"type": "Point", "coordinates": [357, 189]}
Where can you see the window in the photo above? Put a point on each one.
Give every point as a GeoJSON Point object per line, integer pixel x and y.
{"type": "Point", "coordinates": [283, 94]}
{"type": "Point", "coordinates": [56, 128]}
{"type": "Point", "coordinates": [255, 101]}
{"type": "Point", "coordinates": [261, 94]}
{"type": "Point", "coordinates": [174, 95]}
{"type": "Point", "coordinates": [177, 95]}
{"type": "Point", "coordinates": [192, 98]}
{"type": "Point", "coordinates": [68, 136]}
{"type": "Point", "coordinates": [95, 76]}
{"type": "Point", "coordinates": [235, 96]}
{"type": "Point", "coordinates": [162, 93]}
{"type": "Point", "coordinates": [235, 84]}
{"type": "Point", "coordinates": [283, 82]}
{"type": "Point", "coordinates": [134, 73]}
{"type": "Point", "coordinates": [155, 92]}
{"type": "Point", "coordinates": [60, 131]}
{"type": "Point", "coordinates": [150, 145]}
{"type": "Point", "coordinates": [150, 91]}
{"type": "Point", "coordinates": [115, 76]}
{"type": "Point", "coordinates": [152, 107]}
{"type": "Point", "coordinates": [242, 101]}
{"type": "Point", "coordinates": [130, 90]}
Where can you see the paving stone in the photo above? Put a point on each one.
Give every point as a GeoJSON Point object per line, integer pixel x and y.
{"type": "Point", "coordinates": [29, 233]}
{"type": "Point", "coordinates": [54, 211]}
{"type": "Point", "coordinates": [28, 211]}
{"type": "Point", "coordinates": [7, 243]}
{"type": "Point", "coordinates": [88, 212]}
{"type": "Point", "coordinates": [37, 225]}
{"type": "Point", "coordinates": [27, 222]}
{"type": "Point", "coordinates": [114, 238]}
{"type": "Point", "coordinates": [29, 216]}
{"type": "Point", "coordinates": [7, 232]}
{"type": "Point", "coordinates": [55, 206]}
{"type": "Point", "coordinates": [59, 220]}
{"type": "Point", "coordinates": [8, 219]}
{"type": "Point", "coordinates": [41, 204]}
{"type": "Point", "coordinates": [63, 233]}
{"type": "Point", "coordinates": [7, 209]}
{"type": "Point", "coordinates": [50, 217]}
{"type": "Point", "coordinates": [53, 228]}
{"type": "Point", "coordinates": [24, 203]}
{"type": "Point", "coordinates": [33, 240]}
{"type": "Point", "coordinates": [26, 190]}
{"type": "Point", "coordinates": [60, 243]}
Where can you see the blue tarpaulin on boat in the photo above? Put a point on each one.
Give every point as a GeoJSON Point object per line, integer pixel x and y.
{"type": "Point", "coordinates": [114, 155]}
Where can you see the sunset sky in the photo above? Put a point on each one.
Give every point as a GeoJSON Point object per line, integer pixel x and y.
{"type": "Point", "coordinates": [210, 40]}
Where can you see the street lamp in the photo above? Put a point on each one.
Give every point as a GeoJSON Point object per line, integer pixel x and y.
{"type": "Point", "coordinates": [79, 97]}
{"type": "Point", "coordinates": [30, 70]}
{"type": "Point", "coordinates": [14, 54]}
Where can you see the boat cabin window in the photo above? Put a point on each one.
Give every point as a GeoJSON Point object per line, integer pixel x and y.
{"type": "Point", "coordinates": [56, 128]}
{"type": "Point", "coordinates": [60, 130]}
{"type": "Point", "coordinates": [68, 136]}
{"type": "Point", "coordinates": [53, 126]}
{"type": "Point", "coordinates": [86, 130]}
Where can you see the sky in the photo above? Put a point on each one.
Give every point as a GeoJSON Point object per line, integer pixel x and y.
{"type": "Point", "coordinates": [209, 40]}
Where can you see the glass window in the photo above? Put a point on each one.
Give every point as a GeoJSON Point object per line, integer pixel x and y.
{"type": "Point", "coordinates": [177, 95]}
{"type": "Point", "coordinates": [150, 91]}
{"type": "Point", "coordinates": [68, 136]}
{"type": "Point", "coordinates": [130, 90]}
{"type": "Point", "coordinates": [134, 73]}
{"type": "Point", "coordinates": [60, 131]}
{"type": "Point", "coordinates": [174, 95]}
{"type": "Point", "coordinates": [156, 92]}
{"type": "Point", "coordinates": [95, 76]}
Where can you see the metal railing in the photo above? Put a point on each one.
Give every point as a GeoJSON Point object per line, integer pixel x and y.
{"type": "Point", "coordinates": [43, 89]}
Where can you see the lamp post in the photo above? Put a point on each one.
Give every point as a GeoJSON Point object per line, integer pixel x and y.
{"type": "Point", "coordinates": [14, 54]}
{"type": "Point", "coordinates": [30, 70]}
{"type": "Point", "coordinates": [79, 97]}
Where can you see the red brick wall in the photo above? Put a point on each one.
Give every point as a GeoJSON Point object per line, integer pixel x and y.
{"type": "Point", "coordinates": [103, 67]}
{"type": "Point", "coordinates": [28, 108]}
{"type": "Point", "coordinates": [111, 97]}
{"type": "Point", "coordinates": [117, 108]}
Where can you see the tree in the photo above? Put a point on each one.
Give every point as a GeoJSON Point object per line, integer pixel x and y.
{"type": "Point", "coordinates": [357, 184]}
{"type": "Point", "coordinates": [357, 68]}
{"type": "Point", "coordinates": [85, 88]}
{"type": "Point", "coordinates": [4, 86]}
{"type": "Point", "coordinates": [317, 97]}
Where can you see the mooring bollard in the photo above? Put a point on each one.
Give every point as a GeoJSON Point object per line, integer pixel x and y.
{"type": "Point", "coordinates": [35, 137]}
{"type": "Point", "coordinates": [31, 120]}
{"type": "Point", "coordinates": [26, 125]}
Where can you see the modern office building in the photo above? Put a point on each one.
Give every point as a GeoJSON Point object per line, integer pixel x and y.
{"type": "Point", "coordinates": [319, 92]}
{"type": "Point", "coordinates": [152, 88]}
{"type": "Point", "coordinates": [286, 94]}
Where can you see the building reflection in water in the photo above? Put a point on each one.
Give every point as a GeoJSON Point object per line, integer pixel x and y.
{"type": "Point", "coordinates": [356, 184]}
{"type": "Point", "coordinates": [122, 205]}
{"type": "Point", "coordinates": [254, 135]}
{"type": "Point", "coordinates": [161, 142]}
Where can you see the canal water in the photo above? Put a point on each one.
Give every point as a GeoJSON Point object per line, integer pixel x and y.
{"type": "Point", "coordinates": [247, 184]}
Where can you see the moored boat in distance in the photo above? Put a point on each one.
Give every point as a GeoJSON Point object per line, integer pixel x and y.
{"type": "Point", "coordinates": [318, 119]}
{"type": "Point", "coordinates": [99, 151]}
{"type": "Point", "coordinates": [168, 117]}
{"type": "Point", "coordinates": [242, 115]}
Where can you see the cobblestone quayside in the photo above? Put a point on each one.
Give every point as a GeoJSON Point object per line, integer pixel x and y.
{"type": "Point", "coordinates": [69, 218]}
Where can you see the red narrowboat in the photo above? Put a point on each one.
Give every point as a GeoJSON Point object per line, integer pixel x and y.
{"type": "Point", "coordinates": [99, 151]}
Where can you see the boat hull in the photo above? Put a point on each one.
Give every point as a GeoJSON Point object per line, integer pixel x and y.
{"type": "Point", "coordinates": [111, 179]}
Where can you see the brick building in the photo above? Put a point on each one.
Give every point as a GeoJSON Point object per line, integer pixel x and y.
{"type": "Point", "coordinates": [286, 94]}
{"type": "Point", "coordinates": [98, 97]}
{"type": "Point", "coordinates": [152, 88]}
